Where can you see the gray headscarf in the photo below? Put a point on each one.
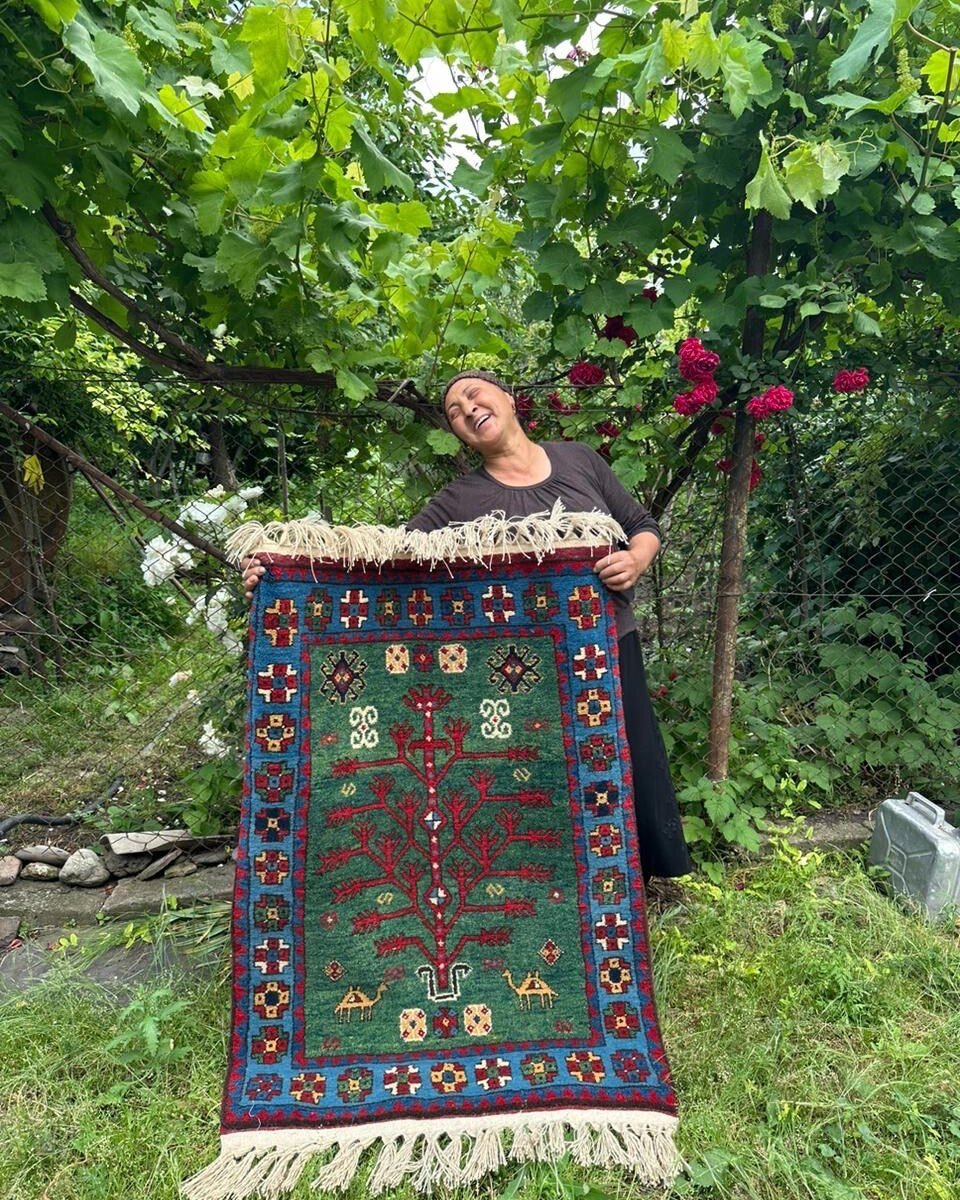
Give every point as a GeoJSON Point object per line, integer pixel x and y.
{"type": "Point", "coordinates": [487, 376]}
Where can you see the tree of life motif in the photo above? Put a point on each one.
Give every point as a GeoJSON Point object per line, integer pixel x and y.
{"type": "Point", "coordinates": [438, 847]}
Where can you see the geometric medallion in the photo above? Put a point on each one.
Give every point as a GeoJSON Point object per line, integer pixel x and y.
{"type": "Point", "coordinates": [514, 668]}
{"type": "Point", "coordinates": [342, 676]}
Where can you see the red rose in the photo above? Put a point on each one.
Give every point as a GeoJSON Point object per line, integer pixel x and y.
{"type": "Point", "coordinates": [615, 328]}
{"type": "Point", "coordinates": [586, 374]}
{"type": "Point", "coordinates": [696, 362]}
{"type": "Point", "coordinates": [851, 381]}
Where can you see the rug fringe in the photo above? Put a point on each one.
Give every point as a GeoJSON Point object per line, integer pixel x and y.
{"type": "Point", "coordinates": [268, 1164]}
{"type": "Point", "coordinates": [474, 541]}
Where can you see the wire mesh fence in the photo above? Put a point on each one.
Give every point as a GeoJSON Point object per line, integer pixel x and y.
{"type": "Point", "coordinates": [120, 642]}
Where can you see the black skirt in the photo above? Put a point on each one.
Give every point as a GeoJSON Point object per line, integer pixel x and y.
{"type": "Point", "coordinates": [662, 848]}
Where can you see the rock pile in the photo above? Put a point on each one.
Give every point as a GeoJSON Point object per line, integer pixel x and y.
{"type": "Point", "coordinates": [152, 854]}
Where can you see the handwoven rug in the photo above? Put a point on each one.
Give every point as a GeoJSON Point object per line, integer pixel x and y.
{"type": "Point", "coordinates": [440, 946]}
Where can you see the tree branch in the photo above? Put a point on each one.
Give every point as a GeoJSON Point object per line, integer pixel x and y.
{"type": "Point", "coordinates": [67, 234]}
{"type": "Point", "coordinates": [111, 327]}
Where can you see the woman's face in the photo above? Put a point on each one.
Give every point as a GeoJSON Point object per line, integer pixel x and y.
{"type": "Point", "coordinates": [480, 413]}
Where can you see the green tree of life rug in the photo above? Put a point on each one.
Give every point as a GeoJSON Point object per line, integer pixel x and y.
{"type": "Point", "coordinates": [440, 945]}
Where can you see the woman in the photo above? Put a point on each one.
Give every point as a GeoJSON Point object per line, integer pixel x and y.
{"type": "Point", "coordinates": [521, 477]}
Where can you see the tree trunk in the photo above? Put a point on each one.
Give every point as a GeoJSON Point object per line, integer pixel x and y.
{"type": "Point", "coordinates": [221, 465]}
{"type": "Point", "coordinates": [730, 581]}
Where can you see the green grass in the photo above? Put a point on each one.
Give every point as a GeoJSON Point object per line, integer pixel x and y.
{"type": "Point", "coordinates": [812, 1027]}
{"type": "Point", "coordinates": [62, 743]}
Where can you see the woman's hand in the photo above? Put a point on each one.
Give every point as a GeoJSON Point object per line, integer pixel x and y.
{"type": "Point", "coordinates": [620, 570]}
{"type": "Point", "coordinates": [252, 570]}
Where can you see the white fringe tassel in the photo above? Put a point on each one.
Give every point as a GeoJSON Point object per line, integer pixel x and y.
{"type": "Point", "coordinates": [474, 541]}
{"type": "Point", "coordinates": [450, 1152]}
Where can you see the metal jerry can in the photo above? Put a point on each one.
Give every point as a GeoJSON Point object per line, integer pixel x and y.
{"type": "Point", "coordinates": [921, 849]}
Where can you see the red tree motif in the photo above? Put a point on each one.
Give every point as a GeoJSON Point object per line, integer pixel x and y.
{"type": "Point", "coordinates": [433, 854]}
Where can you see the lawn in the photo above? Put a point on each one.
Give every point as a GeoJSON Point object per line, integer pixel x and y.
{"type": "Point", "coordinates": [813, 1029]}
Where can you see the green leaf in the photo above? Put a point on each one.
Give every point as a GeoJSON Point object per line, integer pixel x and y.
{"type": "Point", "coordinates": [566, 93]}
{"type": "Point", "coordinates": [11, 130]}
{"type": "Point", "coordinates": [936, 69]}
{"type": "Point", "coordinates": [117, 73]}
{"type": "Point", "coordinates": [240, 258]}
{"type": "Point", "coordinates": [264, 29]}
{"type": "Point", "coordinates": [638, 224]}
{"type": "Point", "coordinates": [378, 170]}
{"type": "Point", "coordinates": [23, 179]}
{"type": "Point", "coordinates": [411, 216]}
{"type": "Point", "coordinates": [941, 240]}
{"type": "Point", "coordinates": [157, 25]}
{"type": "Point", "coordinates": [854, 104]}
{"type": "Point", "coordinates": [668, 154]}
{"type": "Point", "coordinates": [865, 157]}
{"type": "Point", "coordinates": [923, 203]}
{"type": "Point", "coordinates": [703, 48]}
{"type": "Point", "coordinates": [677, 289]}
{"type": "Point", "coordinates": [813, 170]}
{"type": "Point", "coordinates": [23, 239]}
{"type": "Point", "coordinates": [872, 36]}
{"type": "Point", "coordinates": [744, 75]}
{"type": "Point", "coordinates": [865, 324]}
{"type": "Point", "coordinates": [561, 263]}
{"type": "Point", "coordinates": [55, 12]}
{"type": "Point", "coordinates": [353, 386]}
{"type": "Point", "coordinates": [188, 113]}
{"type": "Point", "coordinates": [22, 281]}
{"type": "Point", "coordinates": [66, 336]}
{"type": "Point", "coordinates": [229, 58]}
{"type": "Point", "coordinates": [546, 140]}
{"type": "Point", "coordinates": [673, 39]}
{"type": "Point", "coordinates": [538, 197]}
{"type": "Point", "coordinates": [538, 306]}
{"type": "Point", "coordinates": [442, 442]}
{"type": "Point", "coordinates": [463, 332]}
{"type": "Point", "coordinates": [605, 297]}
{"type": "Point", "coordinates": [208, 190]}
{"type": "Point", "coordinates": [339, 126]}
{"type": "Point", "coordinates": [765, 189]}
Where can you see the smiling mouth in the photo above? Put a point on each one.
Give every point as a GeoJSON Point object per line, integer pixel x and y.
{"type": "Point", "coordinates": [482, 421]}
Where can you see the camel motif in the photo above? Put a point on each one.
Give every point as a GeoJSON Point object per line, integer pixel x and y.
{"type": "Point", "coordinates": [354, 999]}
{"type": "Point", "coordinates": [532, 985]}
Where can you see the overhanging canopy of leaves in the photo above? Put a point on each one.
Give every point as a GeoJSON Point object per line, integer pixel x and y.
{"type": "Point", "coordinates": [221, 186]}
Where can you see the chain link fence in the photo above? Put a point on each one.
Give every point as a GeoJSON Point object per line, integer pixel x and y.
{"type": "Point", "coordinates": [119, 646]}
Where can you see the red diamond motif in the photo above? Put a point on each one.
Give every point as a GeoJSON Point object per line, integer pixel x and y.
{"type": "Point", "coordinates": [550, 952]}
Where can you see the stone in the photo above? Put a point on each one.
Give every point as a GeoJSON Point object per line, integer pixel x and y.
{"type": "Point", "coordinates": [134, 898]}
{"type": "Point", "coordinates": [9, 869]}
{"type": "Point", "coordinates": [9, 932]}
{"type": "Point", "coordinates": [56, 856]}
{"type": "Point", "coordinates": [50, 905]}
{"type": "Point", "coordinates": [40, 871]}
{"type": "Point", "coordinates": [843, 829]}
{"type": "Point", "coordinates": [84, 868]}
{"type": "Point", "coordinates": [158, 865]}
{"type": "Point", "coordinates": [122, 865]}
{"type": "Point", "coordinates": [157, 841]}
{"type": "Point", "coordinates": [181, 869]}
{"type": "Point", "coordinates": [149, 841]}
{"type": "Point", "coordinates": [210, 858]}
